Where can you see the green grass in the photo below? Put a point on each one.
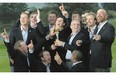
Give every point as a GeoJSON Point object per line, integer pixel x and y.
{"type": "Point", "coordinates": [113, 22]}
{"type": "Point", "coordinates": [114, 56]}
{"type": "Point", "coordinates": [4, 61]}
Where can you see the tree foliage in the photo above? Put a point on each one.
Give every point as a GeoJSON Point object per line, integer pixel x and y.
{"type": "Point", "coordinates": [110, 6]}
{"type": "Point", "coordinates": [11, 11]}
{"type": "Point", "coordinates": [70, 7]}
{"type": "Point", "coordinates": [79, 7]}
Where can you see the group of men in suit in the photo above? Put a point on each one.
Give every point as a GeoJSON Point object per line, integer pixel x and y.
{"type": "Point", "coordinates": [65, 45]}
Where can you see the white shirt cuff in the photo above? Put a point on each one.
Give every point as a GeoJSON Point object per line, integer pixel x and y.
{"type": "Point", "coordinates": [38, 20]}
{"type": "Point", "coordinates": [63, 44]}
{"type": "Point", "coordinates": [66, 16]}
{"type": "Point", "coordinates": [48, 37]}
{"type": "Point", "coordinates": [31, 50]}
{"type": "Point", "coordinates": [7, 40]}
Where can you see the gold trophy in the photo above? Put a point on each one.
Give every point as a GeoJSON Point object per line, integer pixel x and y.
{"type": "Point", "coordinates": [57, 29]}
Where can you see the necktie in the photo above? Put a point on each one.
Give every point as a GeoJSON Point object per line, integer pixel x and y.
{"type": "Point", "coordinates": [48, 68]}
{"type": "Point", "coordinates": [96, 29]}
{"type": "Point", "coordinates": [28, 61]}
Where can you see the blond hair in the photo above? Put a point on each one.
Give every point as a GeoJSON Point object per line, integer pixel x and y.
{"type": "Point", "coordinates": [92, 14]}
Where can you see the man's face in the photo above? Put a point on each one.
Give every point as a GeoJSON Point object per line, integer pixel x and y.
{"type": "Point", "coordinates": [60, 22]}
{"type": "Point", "coordinates": [90, 20]}
{"type": "Point", "coordinates": [75, 26]}
{"type": "Point", "coordinates": [33, 19]}
{"type": "Point", "coordinates": [24, 19]}
{"type": "Point", "coordinates": [46, 57]}
{"type": "Point", "coordinates": [101, 16]}
{"type": "Point", "coordinates": [52, 19]}
{"type": "Point", "coordinates": [83, 19]}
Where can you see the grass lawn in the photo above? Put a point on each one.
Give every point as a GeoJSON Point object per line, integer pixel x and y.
{"type": "Point", "coordinates": [114, 56]}
{"type": "Point", "coordinates": [113, 22]}
{"type": "Point", "coordinates": [4, 61]}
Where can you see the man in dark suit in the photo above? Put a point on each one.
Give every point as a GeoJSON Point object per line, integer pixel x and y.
{"type": "Point", "coordinates": [101, 56]}
{"type": "Point", "coordinates": [52, 16]}
{"type": "Point", "coordinates": [76, 59]}
{"type": "Point", "coordinates": [36, 24]}
{"type": "Point", "coordinates": [22, 32]}
{"type": "Point", "coordinates": [59, 29]}
{"type": "Point", "coordinates": [84, 30]}
{"type": "Point", "coordinates": [71, 45]}
{"type": "Point", "coordinates": [45, 65]}
{"type": "Point", "coordinates": [20, 55]}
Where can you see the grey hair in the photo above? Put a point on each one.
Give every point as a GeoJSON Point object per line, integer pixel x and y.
{"type": "Point", "coordinates": [18, 44]}
{"type": "Point", "coordinates": [78, 55]}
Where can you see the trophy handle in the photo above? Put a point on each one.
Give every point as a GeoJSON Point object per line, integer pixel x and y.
{"type": "Point", "coordinates": [57, 35]}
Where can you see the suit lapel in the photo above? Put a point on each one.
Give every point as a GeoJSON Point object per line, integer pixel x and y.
{"type": "Point", "coordinates": [19, 33]}
{"type": "Point", "coordinates": [68, 39]}
{"type": "Point", "coordinates": [28, 36]}
{"type": "Point", "coordinates": [76, 37]}
{"type": "Point", "coordinates": [103, 28]}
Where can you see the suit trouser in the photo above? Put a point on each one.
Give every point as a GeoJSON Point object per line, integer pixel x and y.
{"type": "Point", "coordinates": [12, 68]}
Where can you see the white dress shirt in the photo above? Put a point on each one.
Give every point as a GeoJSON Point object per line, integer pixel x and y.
{"type": "Point", "coordinates": [91, 32]}
{"type": "Point", "coordinates": [50, 27]}
{"type": "Point", "coordinates": [34, 26]}
{"type": "Point", "coordinates": [100, 26]}
{"type": "Point", "coordinates": [76, 63]}
{"type": "Point", "coordinates": [24, 34]}
{"type": "Point", "coordinates": [68, 53]}
{"type": "Point", "coordinates": [47, 67]}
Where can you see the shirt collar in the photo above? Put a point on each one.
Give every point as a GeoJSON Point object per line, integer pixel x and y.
{"type": "Point", "coordinates": [77, 63]}
{"type": "Point", "coordinates": [46, 64]}
{"type": "Point", "coordinates": [75, 33]}
{"type": "Point", "coordinates": [34, 26]}
{"type": "Point", "coordinates": [22, 29]}
{"type": "Point", "coordinates": [102, 24]}
{"type": "Point", "coordinates": [93, 28]}
{"type": "Point", "coordinates": [50, 26]}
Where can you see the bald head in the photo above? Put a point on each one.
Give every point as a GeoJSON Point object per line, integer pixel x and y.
{"type": "Point", "coordinates": [102, 11]}
{"type": "Point", "coordinates": [101, 15]}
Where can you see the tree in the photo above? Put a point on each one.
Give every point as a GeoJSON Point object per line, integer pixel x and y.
{"type": "Point", "coordinates": [11, 11]}
{"type": "Point", "coordinates": [110, 6]}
